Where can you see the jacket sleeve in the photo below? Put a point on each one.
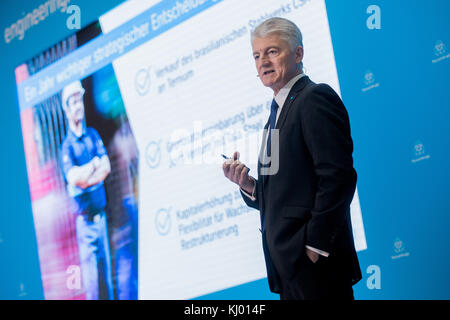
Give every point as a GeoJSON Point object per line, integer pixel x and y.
{"type": "Point", "coordinates": [253, 200]}
{"type": "Point", "coordinates": [326, 130]}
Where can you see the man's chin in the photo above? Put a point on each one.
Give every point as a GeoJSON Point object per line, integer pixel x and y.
{"type": "Point", "coordinates": [268, 83]}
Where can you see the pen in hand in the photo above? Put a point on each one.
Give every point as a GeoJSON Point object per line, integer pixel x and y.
{"type": "Point", "coordinates": [228, 158]}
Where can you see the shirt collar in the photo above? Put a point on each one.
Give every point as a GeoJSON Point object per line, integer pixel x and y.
{"type": "Point", "coordinates": [282, 95]}
{"type": "Point", "coordinates": [74, 136]}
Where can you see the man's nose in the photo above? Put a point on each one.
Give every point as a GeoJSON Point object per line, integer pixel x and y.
{"type": "Point", "coordinates": [264, 61]}
{"type": "Point", "coordinates": [265, 58]}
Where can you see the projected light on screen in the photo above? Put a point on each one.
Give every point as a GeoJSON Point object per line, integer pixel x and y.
{"type": "Point", "coordinates": [169, 93]}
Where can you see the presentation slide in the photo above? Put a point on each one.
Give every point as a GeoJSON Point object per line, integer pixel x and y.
{"type": "Point", "coordinates": [168, 88]}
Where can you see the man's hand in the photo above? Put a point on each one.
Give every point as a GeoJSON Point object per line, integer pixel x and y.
{"type": "Point", "coordinates": [102, 169]}
{"type": "Point", "coordinates": [313, 256]}
{"type": "Point", "coordinates": [96, 162]}
{"type": "Point", "coordinates": [90, 173]}
{"type": "Point", "coordinates": [237, 172]}
{"type": "Point", "coordinates": [79, 175]}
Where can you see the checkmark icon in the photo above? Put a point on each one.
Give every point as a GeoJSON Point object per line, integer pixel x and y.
{"type": "Point", "coordinates": [153, 154]}
{"type": "Point", "coordinates": [142, 81]}
{"type": "Point", "coordinates": [162, 221]}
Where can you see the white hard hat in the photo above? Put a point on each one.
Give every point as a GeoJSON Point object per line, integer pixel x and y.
{"type": "Point", "coordinates": [69, 90]}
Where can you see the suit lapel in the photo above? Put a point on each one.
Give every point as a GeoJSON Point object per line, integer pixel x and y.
{"type": "Point", "coordinates": [298, 86]}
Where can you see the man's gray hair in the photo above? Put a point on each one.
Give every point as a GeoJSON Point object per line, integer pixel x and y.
{"type": "Point", "coordinates": [284, 28]}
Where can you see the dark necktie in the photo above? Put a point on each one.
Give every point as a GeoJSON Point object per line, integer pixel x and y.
{"type": "Point", "coordinates": [272, 119]}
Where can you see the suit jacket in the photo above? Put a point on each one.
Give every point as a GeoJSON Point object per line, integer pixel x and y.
{"type": "Point", "coordinates": [307, 202]}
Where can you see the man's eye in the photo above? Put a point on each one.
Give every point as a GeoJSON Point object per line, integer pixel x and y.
{"type": "Point", "coordinates": [273, 52]}
{"type": "Point", "coordinates": [256, 57]}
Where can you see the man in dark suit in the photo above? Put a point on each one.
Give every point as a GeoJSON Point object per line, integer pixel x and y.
{"type": "Point", "coordinates": [306, 179]}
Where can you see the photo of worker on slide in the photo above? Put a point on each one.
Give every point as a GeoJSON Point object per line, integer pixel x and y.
{"type": "Point", "coordinates": [95, 183]}
{"type": "Point", "coordinates": [86, 165]}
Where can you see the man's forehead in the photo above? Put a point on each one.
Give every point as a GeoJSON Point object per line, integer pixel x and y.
{"type": "Point", "coordinates": [75, 95]}
{"type": "Point", "coordinates": [262, 43]}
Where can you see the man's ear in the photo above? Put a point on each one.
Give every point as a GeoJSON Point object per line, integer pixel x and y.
{"type": "Point", "coordinates": [298, 54]}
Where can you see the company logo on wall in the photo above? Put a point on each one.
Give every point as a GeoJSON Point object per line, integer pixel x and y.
{"type": "Point", "coordinates": [41, 12]}
{"type": "Point", "coordinates": [440, 51]}
{"type": "Point", "coordinates": [418, 152]}
{"type": "Point", "coordinates": [22, 291]}
{"type": "Point", "coordinates": [439, 48]}
{"type": "Point", "coordinates": [369, 81]}
{"type": "Point", "coordinates": [399, 249]}
{"type": "Point", "coordinates": [369, 78]}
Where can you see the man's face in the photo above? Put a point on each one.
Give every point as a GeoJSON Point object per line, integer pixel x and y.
{"type": "Point", "coordinates": [275, 62]}
{"type": "Point", "coordinates": [75, 106]}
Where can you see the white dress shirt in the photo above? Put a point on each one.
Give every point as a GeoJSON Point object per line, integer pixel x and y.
{"type": "Point", "coordinates": [280, 99]}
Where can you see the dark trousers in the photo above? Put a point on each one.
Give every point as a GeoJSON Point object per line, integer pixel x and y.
{"type": "Point", "coordinates": [95, 257]}
{"type": "Point", "coordinates": [323, 280]}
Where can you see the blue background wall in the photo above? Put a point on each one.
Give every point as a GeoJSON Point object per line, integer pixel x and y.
{"type": "Point", "coordinates": [399, 118]}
